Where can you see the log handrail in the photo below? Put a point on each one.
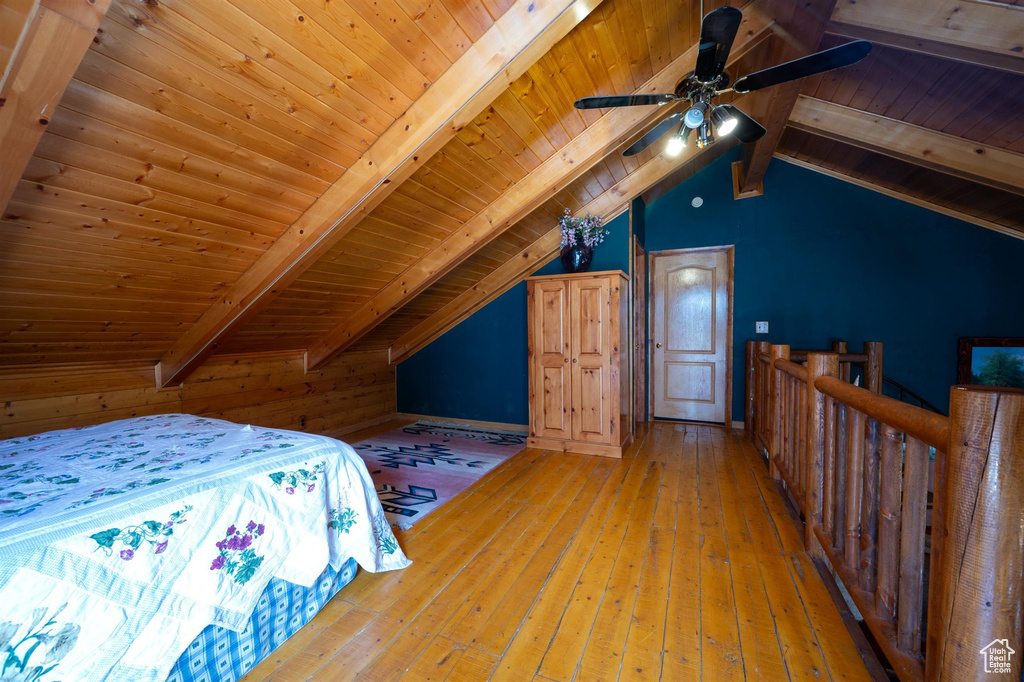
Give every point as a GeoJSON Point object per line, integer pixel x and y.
{"type": "Point", "coordinates": [855, 358]}
{"type": "Point", "coordinates": [914, 421]}
{"type": "Point", "coordinates": [798, 372]}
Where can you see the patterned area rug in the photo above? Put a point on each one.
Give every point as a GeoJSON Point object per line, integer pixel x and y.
{"type": "Point", "coordinates": [419, 467]}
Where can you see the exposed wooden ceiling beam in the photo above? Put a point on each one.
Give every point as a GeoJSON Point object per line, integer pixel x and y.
{"type": "Point", "coordinates": [510, 46]}
{"type": "Point", "coordinates": [934, 48]}
{"type": "Point", "coordinates": [50, 39]}
{"type": "Point", "coordinates": [609, 133]}
{"type": "Point", "coordinates": [609, 204]}
{"type": "Point", "coordinates": [979, 33]}
{"type": "Point", "coordinates": [797, 35]}
{"type": "Point", "coordinates": [15, 18]}
{"type": "Point", "coordinates": [974, 161]}
{"type": "Point", "coordinates": [966, 217]}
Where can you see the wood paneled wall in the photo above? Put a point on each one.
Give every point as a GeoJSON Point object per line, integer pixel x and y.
{"type": "Point", "coordinates": [267, 389]}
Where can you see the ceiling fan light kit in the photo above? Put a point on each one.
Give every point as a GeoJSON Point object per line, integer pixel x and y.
{"type": "Point", "coordinates": [678, 142]}
{"type": "Point", "coordinates": [675, 145]}
{"type": "Point", "coordinates": [694, 118]}
{"type": "Point", "coordinates": [705, 138]}
{"type": "Point", "coordinates": [724, 122]}
{"type": "Point", "coordinates": [709, 80]}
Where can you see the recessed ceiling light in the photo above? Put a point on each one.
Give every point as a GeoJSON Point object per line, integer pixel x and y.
{"type": "Point", "coordinates": [697, 202]}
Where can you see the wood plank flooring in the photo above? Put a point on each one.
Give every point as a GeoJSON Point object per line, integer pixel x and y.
{"type": "Point", "coordinates": [678, 562]}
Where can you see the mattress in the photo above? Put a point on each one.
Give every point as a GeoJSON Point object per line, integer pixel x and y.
{"type": "Point", "coordinates": [121, 543]}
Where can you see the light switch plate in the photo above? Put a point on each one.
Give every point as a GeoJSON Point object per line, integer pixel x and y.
{"type": "Point", "coordinates": [761, 327]}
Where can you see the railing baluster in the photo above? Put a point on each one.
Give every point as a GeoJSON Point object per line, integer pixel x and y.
{"type": "Point", "coordinates": [869, 508]}
{"type": "Point", "coordinates": [794, 435]}
{"type": "Point", "coordinates": [915, 507]}
{"type": "Point", "coordinates": [854, 489]}
{"type": "Point", "coordinates": [828, 471]}
{"type": "Point", "coordinates": [783, 423]}
{"type": "Point", "coordinates": [799, 466]}
{"type": "Point", "coordinates": [889, 519]}
{"type": "Point", "coordinates": [751, 383]}
{"type": "Point", "coordinates": [764, 415]}
{"type": "Point", "coordinates": [842, 455]}
{"type": "Point", "coordinates": [775, 402]}
{"type": "Point", "coordinates": [787, 427]}
{"type": "Point", "coordinates": [800, 459]}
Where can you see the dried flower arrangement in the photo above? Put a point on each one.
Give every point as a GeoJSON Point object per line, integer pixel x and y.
{"type": "Point", "coordinates": [587, 231]}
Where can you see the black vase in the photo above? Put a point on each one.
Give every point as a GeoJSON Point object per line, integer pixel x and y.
{"type": "Point", "coordinates": [576, 258]}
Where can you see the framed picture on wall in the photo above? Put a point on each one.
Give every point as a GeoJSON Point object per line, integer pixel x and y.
{"type": "Point", "coordinates": [993, 361]}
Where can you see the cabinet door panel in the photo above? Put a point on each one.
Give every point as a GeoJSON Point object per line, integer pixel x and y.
{"type": "Point", "coordinates": [550, 415]}
{"type": "Point", "coordinates": [591, 340]}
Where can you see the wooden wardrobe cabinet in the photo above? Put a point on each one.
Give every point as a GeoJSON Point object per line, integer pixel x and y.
{"type": "Point", "coordinates": [579, 363]}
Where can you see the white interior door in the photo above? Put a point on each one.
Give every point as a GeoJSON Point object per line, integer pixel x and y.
{"type": "Point", "coordinates": [690, 306]}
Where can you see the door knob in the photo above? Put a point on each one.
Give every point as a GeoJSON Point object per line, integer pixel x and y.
{"type": "Point", "coordinates": [657, 345]}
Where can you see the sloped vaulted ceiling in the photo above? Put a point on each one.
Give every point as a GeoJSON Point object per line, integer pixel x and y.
{"type": "Point", "coordinates": [316, 175]}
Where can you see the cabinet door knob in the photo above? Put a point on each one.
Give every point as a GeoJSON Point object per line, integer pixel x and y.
{"type": "Point", "coordinates": [657, 345]}
{"type": "Point", "coordinates": [574, 360]}
{"type": "Point", "coordinates": [567, 359]}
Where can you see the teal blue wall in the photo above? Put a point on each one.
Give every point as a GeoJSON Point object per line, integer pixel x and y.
{"type": "Point", "coordinates": [822, 259]}
{"type": "Point", "coordinates": [477, 370]}
{"type": "Point", "coordinates": [819, 258]}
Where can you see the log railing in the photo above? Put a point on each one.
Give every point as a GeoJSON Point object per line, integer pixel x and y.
{"type": "Point", "coordinates": [777, 394]}
{"type": "Point", "coordinates": [791, 461]}
{"type": "Point", "coordinates": [856, 463]}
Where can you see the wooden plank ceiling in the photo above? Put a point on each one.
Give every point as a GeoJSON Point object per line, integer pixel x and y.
{"type": "Point", "coordinates": [194, 134]}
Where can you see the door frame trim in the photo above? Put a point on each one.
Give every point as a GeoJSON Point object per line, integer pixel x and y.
{"type": "Point", "coordinates": [641, 412]}
{"type": "Point", "coordinates": [730, 255]}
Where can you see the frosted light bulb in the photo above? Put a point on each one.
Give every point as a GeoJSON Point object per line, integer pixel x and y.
{"type": "Point", "coordinates": [675, 145]}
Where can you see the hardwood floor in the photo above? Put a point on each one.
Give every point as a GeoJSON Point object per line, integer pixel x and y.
{"type": "Point", "coordinates": [677, 562]}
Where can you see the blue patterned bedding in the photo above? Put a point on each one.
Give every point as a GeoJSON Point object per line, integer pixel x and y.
{"type": "Point", "coordinates": [222, 655]}
{"type": "Point", "coordinates": [120, 543]}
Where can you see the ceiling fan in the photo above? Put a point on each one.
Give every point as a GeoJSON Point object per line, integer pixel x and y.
{"type": "Point", "coordinates": [708, 80]}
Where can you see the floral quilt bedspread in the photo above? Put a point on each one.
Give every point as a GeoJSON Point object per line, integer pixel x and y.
{"type": "Point", "coordinates": [119, 543]}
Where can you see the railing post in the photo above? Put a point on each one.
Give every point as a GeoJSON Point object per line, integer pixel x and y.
{"type": "Point", "coordinates": [977, 570]}
{"type": "Point", "coordinates": [844, 368]}
{"type": "Point", "coordinates": [775, 403]}
{"type": "Point", "coordinates": [873, 367]}
{"type": "Point", "coordinates": [818, 364]}
{"type": "Point", "coordinates": [762, 381]}
{"type": "Point", "coordinates": [748, 425]}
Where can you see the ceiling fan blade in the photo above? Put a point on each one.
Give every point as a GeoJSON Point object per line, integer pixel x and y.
{"type": "Point", "coordinates": [717, 32]}
{"type": "Point", "coordinates": [652, 135]}
{"type": "Point", "coordinates": [622, 101]}
{"type": "Point", "coordinates": [747, 129]}
{"type": "Point", "coordinates": [826, 60]}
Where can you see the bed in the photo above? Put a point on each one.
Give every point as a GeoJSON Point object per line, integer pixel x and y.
{"type": "Point", "coordinates": [175, 547]}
